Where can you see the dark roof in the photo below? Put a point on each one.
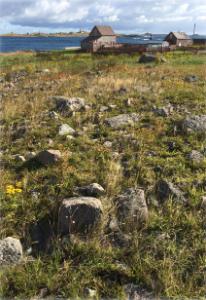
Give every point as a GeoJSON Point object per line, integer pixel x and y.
{"type": "Point", "coordinates": [180, 35]}
{"type": "Point", "coordinates": [104, 30]}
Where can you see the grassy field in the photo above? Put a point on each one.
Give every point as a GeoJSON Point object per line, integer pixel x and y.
{"type": "Point", "coordinates": [168, 255]}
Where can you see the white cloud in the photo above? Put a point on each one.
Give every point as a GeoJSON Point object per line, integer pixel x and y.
{"type": "Point", "coordinates": [124, 16]}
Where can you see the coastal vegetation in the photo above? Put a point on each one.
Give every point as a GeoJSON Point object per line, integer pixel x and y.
{"type": "Point", "coordinates": [155, 150]}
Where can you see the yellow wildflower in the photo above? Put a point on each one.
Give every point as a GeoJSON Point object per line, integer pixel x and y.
{"type": "Point", "coordinates": [19, 184]}
{"type": "Point", "coordinates": [18, 190]}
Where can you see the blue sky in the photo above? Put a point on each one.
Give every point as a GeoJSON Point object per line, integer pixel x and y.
{"type": "Point", "coordinates": [131, 16]}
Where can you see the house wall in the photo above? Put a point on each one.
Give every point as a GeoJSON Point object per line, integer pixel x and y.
{"type": "Point", "coordinates": [94, 45]}
{"type": "Point", "coordinates": [184, 43]}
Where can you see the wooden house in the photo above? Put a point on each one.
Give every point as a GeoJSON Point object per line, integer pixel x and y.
{"type": "Point", "coordinates": [178, 39]}
{"type": "Point", "coordinates": [99, 37]}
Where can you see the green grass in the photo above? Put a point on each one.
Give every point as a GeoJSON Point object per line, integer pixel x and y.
{"type": "Point", "coordinates": [166, 257]}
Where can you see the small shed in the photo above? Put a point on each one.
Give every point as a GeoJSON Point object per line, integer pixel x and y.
{"type": "Point", "coordinates": [99, 37]}
{"type": "Point", "coordinates": [179, 39]}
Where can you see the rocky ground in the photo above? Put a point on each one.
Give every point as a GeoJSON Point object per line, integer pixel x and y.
{"type": "Point", "coordinates": [103, 182]}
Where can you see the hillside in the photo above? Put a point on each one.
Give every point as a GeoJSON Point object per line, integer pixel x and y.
{"type": "Point", "coordinates": [124, 143]}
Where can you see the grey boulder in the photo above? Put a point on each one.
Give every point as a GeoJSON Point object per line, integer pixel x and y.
{"type": "Point", "coordinates": [11, 251]}
{"type": "Point", "coordinates": [132, 207]}
{"type": "Point", "coordinates": [67, 106]}
{"type": "Point", "coordinates": [191, 78]}
{"type": "Point", "coordinates": [195, 124]}
{"type": "Point", "coordinates": [65, 129]}
{"type": "Point", "coordinates": [48, 157]}
{"type": "Point", "coordinates": [195, 156]}
{"type": "Point", "coordinates": [79, 215]}
{"type": "Point", "coordinates": [122, 120]}
{"type": "Point", "coordinates": [147, 58]}
{"type": "Point", "coordinates": [166, 190]}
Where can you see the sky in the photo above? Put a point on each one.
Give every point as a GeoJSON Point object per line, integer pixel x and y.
{"type": "Point", "coordinates": [125, 16]}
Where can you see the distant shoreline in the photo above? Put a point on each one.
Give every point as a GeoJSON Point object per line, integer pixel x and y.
{"type": "Point", "coordinates": [46, 35]}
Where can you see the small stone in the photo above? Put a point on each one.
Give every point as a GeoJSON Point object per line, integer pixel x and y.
{"type": "Point", "coordinates": [147, 58]}
{"type": "Point", "coordinates": [191, 78]}
{"type": "Point", "coordinates": [65, 129]}
{"type": "Point", "coordinates": [104, 108]}
{"type": "Point", "coordinates": [195, 124]}
{"type": "Point", "coordinates": [122, 120]}
{"type": "Point", "coordinates": [91, 190]}
{"type": "Point", "coordinates": [122, 90]}
{"type": "Point", "coordinates": [195, 156]}
{"type": "Point", "coordinates": [90, 293]}
{"type": "Point", "coordinates": [19, 158]}
{"type": "Point", "coordinates": [30, 155]}
{"type": "Point", "coordinates": [11, 251]}
{"type": "Point", "coordinates": [70, 137]}
{"type": "Point", "coordinates": [79, 215]}
{"type": "Point", "coordinates": [163, 111]}
{"type": "Point", "coordinates": [45, 71]}
{"type": "Point", "coordinates": [48, 157]}
{"type": "Point", "coordinates": [67, 106]}
{"type": "Point", "coordinates": [53, 115]}
{"type": "Point", "coordinates": [108, 144]}
{"type": "Point", "coordinates": [166, 189]}
{"type": "Point", "coordinates": [112, 106]}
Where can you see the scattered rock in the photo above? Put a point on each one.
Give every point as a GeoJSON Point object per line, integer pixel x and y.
{"type": "Point", "coordinates": [132, 207]}
{"type": "Point", "coordinates": [30, 155]}
{"type": "Point", "coordinates": [90, 293]}
{"type": "Point", "coordinates": [122, 120]}
{"type": "Point", "coordinates": [45, 71]}
{"type": "Point", "coordinates": [163, 111]}
{"type": "Point", "coordinates": [122, 90]}
{"type": "Point", "coordinates": [11, 251]}
{"type": "Point", "coordinates": [65, 129]}
{"type": "Point", "coordinates": [104, 108]}
{"type": "Point", "coordinates": [191, 78]}
{"type": "Point", "coordinates": [70, 137]}
{"type": "Point", "coordinates": [79, 215]}
{"type": "Point", "coordinates": [195, 156]}
{"type": "Point", "coordinates": [147, 58]}
{"type": "Point", "coordinates": [67, 106]}
{"type": "Point", "coordinates": [19, 158]}
{"type": "Point", "coordinates": [48, 157]}
{"type": "Point", "coordinates": [135, 292]}
{"type": "Point", "coordinates": [195, 124]}
{"type": "Point", "coordinates": [116, 236]}
{"type": "Point", "coordinates": [91, 190]}
{"type": "Point", "coordinates": [166, 189]}
{"type": "Point", "coordinates": [19, 131]}
{"type": "Point", "coordinates": [108, 144]}
{"type": "Point", "coordinates": [112, 106]}
{"type": "Point", "coordinates": [53, 115]}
